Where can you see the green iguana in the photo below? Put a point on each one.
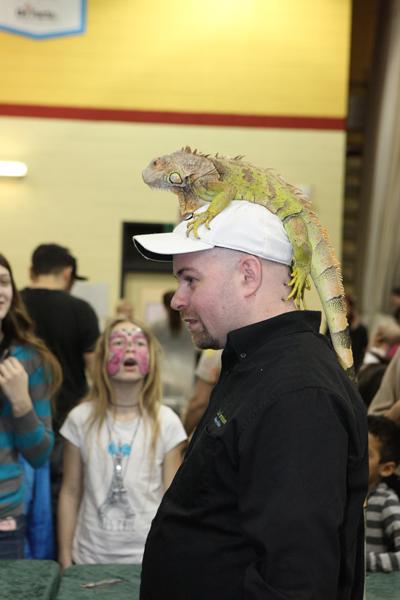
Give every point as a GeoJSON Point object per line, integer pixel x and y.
{"type": "Point", "coordinates": [197, 177]}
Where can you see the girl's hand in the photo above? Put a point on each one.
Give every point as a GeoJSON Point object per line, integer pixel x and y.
{"type": "Point", "coordinates": [14, 384]}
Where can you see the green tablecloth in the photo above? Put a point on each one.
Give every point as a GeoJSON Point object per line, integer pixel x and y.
{"type": "Point", "coordinates": [380, 586]}
{"type": "Point", "coordinates": [40, 580]}
{"type": "Point", "coordinates": [73, 578]}
{"type": "Point", "coordinates": [28, 579]}
{"type": "Point", "coordinates": [383, 586]}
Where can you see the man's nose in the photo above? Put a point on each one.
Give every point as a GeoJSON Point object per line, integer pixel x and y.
{"type": "Point", "coordinates": [178, 301]}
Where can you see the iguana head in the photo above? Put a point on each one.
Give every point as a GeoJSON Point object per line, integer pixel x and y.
{"type": "Point", "coordinates": [181, 172]}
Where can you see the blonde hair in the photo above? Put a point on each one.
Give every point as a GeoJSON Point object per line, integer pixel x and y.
{"type": "Point", "coordinates": [102, 394]}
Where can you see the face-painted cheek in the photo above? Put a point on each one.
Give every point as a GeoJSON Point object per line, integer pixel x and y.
{"type": "Point", "coordinates": [143, 361]}
{"type": "Point", "coordinates": [115, 361]}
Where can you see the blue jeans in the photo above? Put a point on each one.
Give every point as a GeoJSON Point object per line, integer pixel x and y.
{"type": "Point", "coordinates": [12, 542]}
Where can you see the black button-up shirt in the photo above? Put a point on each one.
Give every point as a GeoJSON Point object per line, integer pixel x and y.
{"type": "Point", "coordinates": [268, 501]}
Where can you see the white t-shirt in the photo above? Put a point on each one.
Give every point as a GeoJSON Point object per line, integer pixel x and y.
{"type": "Point", "coordinates": [106, 532]}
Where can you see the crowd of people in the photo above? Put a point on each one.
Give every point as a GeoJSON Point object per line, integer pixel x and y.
{"type": "Point", "coordinates": [250, 480]}
{"type": "Point", "coordinates": [88, 447]}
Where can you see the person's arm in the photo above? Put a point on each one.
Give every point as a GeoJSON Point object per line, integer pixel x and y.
{"type": "Point", "coordinates": [33, 436]}
{"type": "Point", "coordinates": [69, 502]}
{"type": "Point", "coordinates": [172, 462]}
{"type": "Point", "coordinates": [207, 374]}
{"type": "Point", "coordinates": [388, 561]}
{"type": "Point", "coordinates": [197, 404]}
{"type": "Point", "coordinates": [294, 495]}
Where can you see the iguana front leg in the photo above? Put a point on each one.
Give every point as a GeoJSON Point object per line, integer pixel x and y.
{"type": "Point", "coordinates": [217, 205]}
{"type": "Point", "coordinates": [296, 230]}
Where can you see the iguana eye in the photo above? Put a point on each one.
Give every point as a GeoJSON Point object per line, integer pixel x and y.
{"type": "Point", "coordinates": [175, 178]}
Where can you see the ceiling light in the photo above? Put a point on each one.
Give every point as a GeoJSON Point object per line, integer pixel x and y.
{"type": "Point", "coordinates": [9, 168]}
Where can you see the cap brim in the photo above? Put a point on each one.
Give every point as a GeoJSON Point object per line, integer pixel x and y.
{"type": "Point", "coordinates": [163, 246]}
{"type": "Point", "coordinates": [80, 278]}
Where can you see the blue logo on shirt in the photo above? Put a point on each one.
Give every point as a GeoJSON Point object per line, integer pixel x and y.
{"type": "Point", "coordinates": [114, 449]}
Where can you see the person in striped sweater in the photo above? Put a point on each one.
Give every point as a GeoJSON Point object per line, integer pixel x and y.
{"type": "Point", "coordinates": [383, 504]}
{"type": "Point", "coordinates": [29, 375]}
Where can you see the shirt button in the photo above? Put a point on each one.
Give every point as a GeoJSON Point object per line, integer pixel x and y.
{"type": "Point", "coordinates": [243, 355]}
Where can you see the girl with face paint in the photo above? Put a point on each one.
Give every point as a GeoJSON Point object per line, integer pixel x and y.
{"type": "Point", "coordinates": [122, 450]}
{"type": "Point", "coordinates": [128, 348]}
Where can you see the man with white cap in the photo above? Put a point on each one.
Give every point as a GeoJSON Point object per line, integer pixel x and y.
{"type": "Point", "coordinates": [269, 500]}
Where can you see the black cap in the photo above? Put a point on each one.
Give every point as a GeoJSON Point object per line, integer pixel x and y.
{"type": "Point", "coordinates": [48, 258]}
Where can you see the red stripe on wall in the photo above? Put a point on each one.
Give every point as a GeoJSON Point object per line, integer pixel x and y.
{"type": "Point", "coordinates": [177, 118]}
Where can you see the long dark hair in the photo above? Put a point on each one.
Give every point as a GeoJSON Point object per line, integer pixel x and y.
{"type": "Point", "coordinates": [18, 326]}
{"type": "Point", "coordinates": [174, 317]}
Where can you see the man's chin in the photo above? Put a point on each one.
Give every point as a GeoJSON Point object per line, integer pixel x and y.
{"type": "Point", "coordinates": [205, 342]}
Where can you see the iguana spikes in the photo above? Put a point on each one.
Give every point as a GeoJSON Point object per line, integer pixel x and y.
{"type": "Point", "coordinates": [219, 180]}
{"type": "Point", "coordinates": [188, 150]}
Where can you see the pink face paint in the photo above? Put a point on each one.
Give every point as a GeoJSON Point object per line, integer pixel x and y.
{"type": "Point", "coordinates": [141, 350]}
{"type": "Point", "coordinates": [128, 343]}
{"type": "Point", "coordinates": [115, 361]}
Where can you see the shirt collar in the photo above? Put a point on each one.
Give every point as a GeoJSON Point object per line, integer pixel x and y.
{"type": "Point", "coordinates": [242, 343]}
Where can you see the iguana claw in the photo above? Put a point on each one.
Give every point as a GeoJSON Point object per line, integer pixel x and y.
{"type": "Point", "coordinates": [299, 282]}
{"type": "Point", "coordinates": [195, 222]}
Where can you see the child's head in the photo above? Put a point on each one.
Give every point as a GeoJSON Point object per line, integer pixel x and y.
{"type": "Point", "coordinates": [124, 309]}
{"type": "Point", "coordinates": [383, 448]}
{"type": "Point", "coordinates": [128, 353]}
{"type": "Point", "coordinates": [13, 317]}
{"type": "Point", "coordinates": [17, 326]}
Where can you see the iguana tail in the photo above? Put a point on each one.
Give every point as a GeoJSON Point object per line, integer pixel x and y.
{"type": "Point", "coordinates": [327, 277]}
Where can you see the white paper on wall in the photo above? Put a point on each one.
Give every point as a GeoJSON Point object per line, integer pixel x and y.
{"type": "Point", "coordinates": [97, 294]}
{"type": "Point", "coordinates": [43, 18]}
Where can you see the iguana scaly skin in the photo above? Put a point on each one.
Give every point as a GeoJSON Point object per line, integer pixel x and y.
{"type": "Point", "coordinates": [197, 177]}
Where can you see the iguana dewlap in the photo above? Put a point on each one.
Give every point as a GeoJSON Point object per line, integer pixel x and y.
{"type": "Point", "coordinates": [198, 178]}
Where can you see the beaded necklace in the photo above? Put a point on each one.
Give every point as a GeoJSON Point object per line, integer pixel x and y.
{"type": "Point", "coordinates": [116, 512]}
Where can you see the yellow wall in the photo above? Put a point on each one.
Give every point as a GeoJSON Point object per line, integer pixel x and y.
{"type": "Point", "coordinates": [242, 56]}
{"type": "Point", "coordinates": [268, 57]}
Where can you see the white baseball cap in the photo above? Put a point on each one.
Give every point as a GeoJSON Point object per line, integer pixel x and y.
{"type": "Point", "coordinates": [242, 225]}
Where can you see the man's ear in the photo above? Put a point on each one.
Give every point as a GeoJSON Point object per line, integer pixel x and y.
{"type": "Point", "coordinates": [32, 274]}
{"type": "Point", "coordinates": [387, 469]}
{"type": "Point", "coordinates": [251, 272]}
{"type": "Point", "coordinates": [66, 274]}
